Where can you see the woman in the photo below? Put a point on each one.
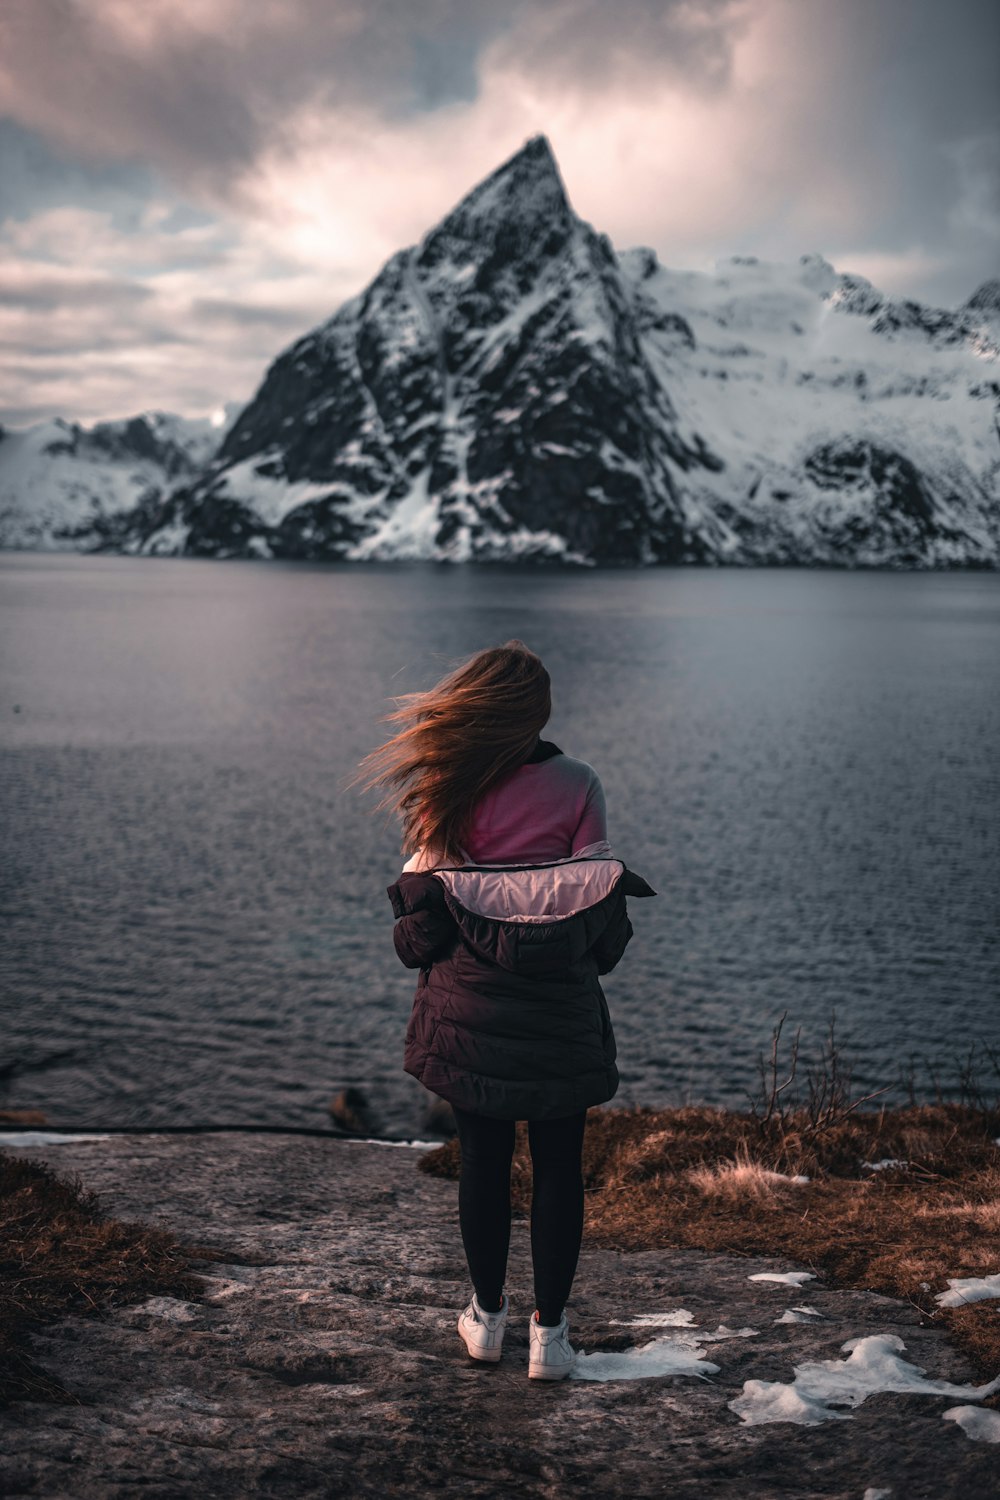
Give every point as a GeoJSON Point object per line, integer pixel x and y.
{"type": "Point", "coordinates": [510, 905]}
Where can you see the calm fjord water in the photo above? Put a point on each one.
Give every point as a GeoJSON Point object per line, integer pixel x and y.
{"type": "Point", "coordinates": [195, 927]}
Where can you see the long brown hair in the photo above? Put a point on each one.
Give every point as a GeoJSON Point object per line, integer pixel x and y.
{"type": "Point", "coordinates": [461, 737]}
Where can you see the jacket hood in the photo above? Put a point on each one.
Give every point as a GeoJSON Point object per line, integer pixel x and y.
{"type": "Point", "coordinates": [538, 893]}
{"type": "Point", "coordinates": [539, 918]}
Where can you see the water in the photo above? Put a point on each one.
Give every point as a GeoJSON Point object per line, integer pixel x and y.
{"type": "Point", "coordinates": [195, 927]}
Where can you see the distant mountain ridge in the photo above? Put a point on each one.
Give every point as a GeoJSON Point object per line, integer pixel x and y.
{"type": "Point", "coordinates": [66, 486]}
{"type": "Point", "coordinates": [511, 389]}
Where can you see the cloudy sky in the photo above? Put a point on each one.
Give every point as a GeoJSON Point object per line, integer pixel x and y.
{"type": "Point", "coordinates": [188, 185]}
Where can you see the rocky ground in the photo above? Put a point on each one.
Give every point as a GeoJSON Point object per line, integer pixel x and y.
{"type": "Point", "coordinates": [323, 1358]}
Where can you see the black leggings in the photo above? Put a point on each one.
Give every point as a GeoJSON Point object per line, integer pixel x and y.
{"type": "Point", "coordinates": [556, 1206]}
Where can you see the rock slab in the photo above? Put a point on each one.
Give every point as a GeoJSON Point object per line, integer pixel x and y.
{"type": "Point", "coordinates": [323, 1360]}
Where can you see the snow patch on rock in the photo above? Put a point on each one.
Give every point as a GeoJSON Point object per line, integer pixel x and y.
{"type": "Point", "coordinates": [675, 1354]}
{"type": "Point", "coordinates": [873, 1364]}
{"type": "Point", "coordinates": [787, 1278]}
{"type": "Point", "coordinates": [963, 1289]}
{"type": "Point", "coordinates": [977, 1422]}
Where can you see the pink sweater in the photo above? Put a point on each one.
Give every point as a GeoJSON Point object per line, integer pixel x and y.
{"type": "Point", "coordinates": [544, 810]}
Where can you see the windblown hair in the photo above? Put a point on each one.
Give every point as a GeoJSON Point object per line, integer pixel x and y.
{"type": "Point", "coordinates": [461, 737]}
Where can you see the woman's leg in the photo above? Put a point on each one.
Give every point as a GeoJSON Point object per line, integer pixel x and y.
{"type": "Point", "coordinates": [484, 1201]}
{"type": "Point", "coordinates": [556, 1210]}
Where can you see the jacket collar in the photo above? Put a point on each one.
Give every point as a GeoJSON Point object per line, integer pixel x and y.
{"type": "Point", "coordinates": [544, 750]}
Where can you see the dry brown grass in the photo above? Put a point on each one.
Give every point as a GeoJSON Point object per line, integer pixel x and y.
{"type": "Point", "coordinates": [60, 1254]}
{"type": "Point", "coordinates": [740, 1180]}
{"type": "Point", "coordinates": [717, 1179]}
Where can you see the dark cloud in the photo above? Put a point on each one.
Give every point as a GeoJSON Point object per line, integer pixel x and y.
{"type": "Point", "coordinates": [199, 91]}
{"type": "Point", "coordinates": [918, 121]}
{"type": "Point", "coordinates": [246, 315]}
{"type": "Point", "coordinates": [922, 81]}
{"type": "Point", "coordinates": [930, 67]}
{"type": "Point", "coordinates": [33, 177]}
{"type": "Point", "coordinates": [67, 338]}
{"type": "Point", "coordinates": [94, 293]}
{"type": "Point", "coordinates": [67, 73]}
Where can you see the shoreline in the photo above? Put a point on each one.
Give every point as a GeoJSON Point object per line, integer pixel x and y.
{"type": "Point", "coordinates": [11, 1134]}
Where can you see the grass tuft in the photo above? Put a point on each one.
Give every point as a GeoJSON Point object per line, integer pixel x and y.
{"type": "Point", "coordinates": [60, 1254]}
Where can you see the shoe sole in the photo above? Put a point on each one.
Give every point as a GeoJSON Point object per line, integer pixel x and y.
{"type": "Point", "coordinates": [486, 1356]}
{"type": "Point", "coordinates": [542, 1373]}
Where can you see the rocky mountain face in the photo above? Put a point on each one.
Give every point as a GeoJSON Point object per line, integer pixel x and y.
{"type": "Point", "coordinates": [486, 397]}
{"type": "Point", "coordinates": [512, 389]}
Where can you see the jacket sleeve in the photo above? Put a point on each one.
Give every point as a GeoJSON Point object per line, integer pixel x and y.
{"type": "Point", "coordinates": [425, 928]}
{"type": "Point", "coordinates": [617, 935]}
{"type": "Point", "coordinates": [614, 939]}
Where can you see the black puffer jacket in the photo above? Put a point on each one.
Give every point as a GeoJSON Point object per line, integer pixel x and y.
{"type": "Point", "coordinates": [509, 1017]}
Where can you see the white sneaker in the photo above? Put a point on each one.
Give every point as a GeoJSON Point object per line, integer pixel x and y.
{"type": "Point", "coordinates": [482, 1331]}
{"type": "Point", "coordinates": [550, 1353]}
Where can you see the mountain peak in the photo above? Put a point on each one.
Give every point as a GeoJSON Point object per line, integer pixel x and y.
{"type": "Point", "coordinates": [528, 182]}
{"type": "Point", "coordinates": [525, 193]}
{"type": "Point", "coordinates": [985, 299]}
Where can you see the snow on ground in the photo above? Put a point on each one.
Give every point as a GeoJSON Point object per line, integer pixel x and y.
{"type": "Point", "coordinates": [270, 497]}
{"type": "Point", "coordinates": [45, 1138]}
{"type": "Point", "coordinates": [789, 1278]}
{"type": "Point", "coordinates": [976, 1422]}
{"type": "Point", "coordinates": [59, 1138]}
{"type": "Point", "coordinates": [374, 1140]}
{"type": "Point", "coordinates": [671, 1354]}
{"type": "Point", "coordinates": [963, 1289]}
{"type": "Point", "coordinates": [168, 541]}
{"type": "Point", "coordinates": [664, 1356]}
{"type": "Point", "coordinates": [678, 1318]}
{"type": "Point", "coordinates": [873, 1365]}
{"type": "Point", "coordinates": [409, 529]}
{"type": "Point", "coordinates": [802, 1314]}
{"type": "Point", "coordinates": [885, 1163]}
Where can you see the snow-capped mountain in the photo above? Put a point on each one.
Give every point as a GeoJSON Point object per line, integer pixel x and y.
{"type": "Point", "coordinates": [511, 388]}
{"type": "Point", "coordinates": [487, 396]}
{"type": "Point", "coordinates": [853, 429]}
{"type": "Point", "coordinates": [63, 485]}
